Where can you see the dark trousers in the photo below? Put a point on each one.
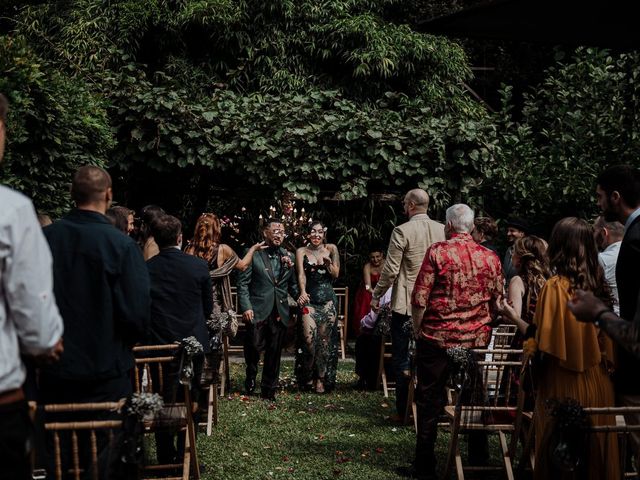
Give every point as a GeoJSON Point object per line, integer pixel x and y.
{"type": "Point", "coordinates": [267, 336]}
{"type": "Point", "coordinates": [433, 371]}
{"type": "Point", "coordinates": [368, 359]}
{"type": "Point", "coordinates": [15, 441]}
{"type": "Point", "coordinates": [400, 359]}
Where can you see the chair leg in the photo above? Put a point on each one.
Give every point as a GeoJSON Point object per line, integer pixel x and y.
{"type": "Point", "coordinates": [186, 461]}
{"type": "Point", "coordinates": [343, 339]}
{"type": "Point", "coordinates": [453, 455]}
{"type": "Point", "coordinates": [224, 374]}
{"type": "Point", "coordinates": [409, 409]}
{"type": "Point", "coordinates": [210, 407]}
{"type": "Point", "coordinates": [215, 407]}
{"type": "Point", "coordinates": [385, 386]}
{"type": "Point", "coordinates": [191, 434]}
{"type": "Point", "coordinates": [506, 459]}
{"type": "Point", "coordinates": [380, 366]}
{"type": "Point", "coordinates": [527, 456]}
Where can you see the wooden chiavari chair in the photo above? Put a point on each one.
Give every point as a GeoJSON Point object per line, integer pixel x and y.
{"type": "Point", "coordinates": [152, 366]}
{"type": "Point", "coordinates": [493, 409]}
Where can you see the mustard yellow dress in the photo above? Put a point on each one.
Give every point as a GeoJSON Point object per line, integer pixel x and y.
{"type": "Point", "coordinates": [577, 355]}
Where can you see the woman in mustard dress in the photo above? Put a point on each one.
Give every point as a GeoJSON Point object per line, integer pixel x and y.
{"type": "Point", "coordinates": [574, 357]}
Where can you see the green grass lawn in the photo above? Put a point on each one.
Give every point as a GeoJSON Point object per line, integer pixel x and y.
{"type": "Point", "coordinates": [346, 434]}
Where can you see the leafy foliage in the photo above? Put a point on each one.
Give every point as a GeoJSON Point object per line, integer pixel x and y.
{"type": "Point", "coordinates": [55, 125]}
{"type": "Point", "coordinates": [298, 96]}
{"type": "Point", "coordinates": [583, 117]}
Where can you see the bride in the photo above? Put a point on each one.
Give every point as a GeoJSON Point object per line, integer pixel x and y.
{"type": "Point", "coordinates": [318, 265]}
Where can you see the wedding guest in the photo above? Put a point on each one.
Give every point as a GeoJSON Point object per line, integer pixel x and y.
{"type": "Point", "coordinates": [485, 232]}
{"type": "Point", "coordinates": [101, 286]}
{"type": "Point", "coordinates": [180, 304]}
{"type": "Point", "coordinates": [147, 215]}
{"type": "Point", "coordinates": [128, 215]}
{"type": "Point", "coordinates": [30, 323]}
{"type": "Point", "coordinates": [118, 216]}
{"type": "Point", "coordinates": [221, 261]}
{"type": "Point", "coordinates": [44, 219]}
{"type": "Point", "coordinates": [407, 247]}
{"type": "Point", "coordinates": [318, 265]}
{"type": "Point", "coordinates": [370, 276]}
{"type": "Point", "coordinates": [452, 305]}
{"type": "Point", "coordinates": [618, 195]}
{"type": "Point", "coordinates": [263, 290]}
{"type": "Point", "coordinates": [608, 239]}
{"type": "Point", "coordinates": [575, 355]}
{"type": "Point", "coordinates": [532, 267]}
{"type": "Point", "coordinates": [516, 228]}
{"type": "Point", "coordinates": [589, 308]}
{"type": "Point", "coordinates": [369, 342]}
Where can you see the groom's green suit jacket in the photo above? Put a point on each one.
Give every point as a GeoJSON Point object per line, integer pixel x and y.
{"type": "Point", "coordinates": [260, 290]}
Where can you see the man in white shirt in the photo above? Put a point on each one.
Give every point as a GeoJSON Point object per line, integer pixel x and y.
{"type": "Point", "coordinates": [608, 237]}
{"type": "Point", "coordinates": [29, 319]}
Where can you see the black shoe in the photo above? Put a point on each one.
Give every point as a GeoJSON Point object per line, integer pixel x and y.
{"type": "Point", "coordinates": [410, 472]}
{"type": "Point", "coordinates": [268, 395]}
{"type": "Point", "coordinates": [250, 386]}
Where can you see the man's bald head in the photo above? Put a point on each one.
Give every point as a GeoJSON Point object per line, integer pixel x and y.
{"type": "Point", "coordinates": [91, 187]}
{"type": "Point", "coordinates": [416, 201]}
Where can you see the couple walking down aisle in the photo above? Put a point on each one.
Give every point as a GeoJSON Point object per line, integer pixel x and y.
{"type": "Point", "coordinates": [263, 290]}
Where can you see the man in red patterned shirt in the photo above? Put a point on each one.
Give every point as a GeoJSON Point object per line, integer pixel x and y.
{"type": "Point", "coordinates": [452, 303]}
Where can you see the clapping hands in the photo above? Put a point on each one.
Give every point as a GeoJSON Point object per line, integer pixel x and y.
{"type": "Point", "coordinates": [507, 311]}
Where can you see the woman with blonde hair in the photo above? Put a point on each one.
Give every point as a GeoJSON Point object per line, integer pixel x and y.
{"type": "Point", "coordinates": [222, 260]}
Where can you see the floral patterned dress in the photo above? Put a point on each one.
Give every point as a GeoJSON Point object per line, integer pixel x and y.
{"type": "Point", "coordinates": [318, 336]}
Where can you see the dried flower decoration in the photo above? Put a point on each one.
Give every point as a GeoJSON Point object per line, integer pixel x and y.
{"type": "Point", "coordinates": [144, 405]}
{"type": "Point", "coordinates": [192, 346]}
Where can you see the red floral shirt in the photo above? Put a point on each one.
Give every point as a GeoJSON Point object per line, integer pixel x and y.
{"type": "Point", "coordinates": [458, 283]}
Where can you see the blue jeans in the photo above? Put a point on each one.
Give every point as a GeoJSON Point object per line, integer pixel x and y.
{"type": "Point", "coordinates": [400, 359]}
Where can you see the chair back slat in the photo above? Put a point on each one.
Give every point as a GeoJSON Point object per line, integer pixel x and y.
{"type": "Point", "coordinates": [57, 454]}
{"type": "Point", "coordinates": [94, 455]}
{"type": "Point", "coordinates": [75, 453]}
{"type": "Point", "coordinates": [78, 432]}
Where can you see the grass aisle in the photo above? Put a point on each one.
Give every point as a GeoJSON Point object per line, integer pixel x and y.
{"type": "Point", "coordinates": [345, 434]}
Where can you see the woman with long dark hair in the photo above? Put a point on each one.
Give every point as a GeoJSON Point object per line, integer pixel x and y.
{"type": "Point", "coordinates": [318, 265]}
{"type": "Point", "coordinates": [574, 356]}
{"type": "Point", "coordinates": [532, 264]}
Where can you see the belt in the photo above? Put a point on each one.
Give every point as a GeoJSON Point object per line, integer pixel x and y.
{"type": "Point", "coordinates": [11, 396]}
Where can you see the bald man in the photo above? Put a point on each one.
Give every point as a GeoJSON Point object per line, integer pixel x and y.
{"type": "Point", "coordinates": [407, 247]}
{"type": "Point", "coordinates": [101, 286]}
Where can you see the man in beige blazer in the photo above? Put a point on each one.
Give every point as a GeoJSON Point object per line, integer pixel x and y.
{"type": "Point", "coordinates": [407, 247]}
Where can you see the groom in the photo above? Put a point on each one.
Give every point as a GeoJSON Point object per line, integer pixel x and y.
{"type": "Point", "coordinates": [262, 295]}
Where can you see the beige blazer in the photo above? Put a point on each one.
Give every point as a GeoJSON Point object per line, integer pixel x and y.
{"type": "Point", "coordinates": [407, 247]}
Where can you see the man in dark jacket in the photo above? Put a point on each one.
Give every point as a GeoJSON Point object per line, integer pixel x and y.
{"type": "Point", "coordinates": [101, 287]}
{"type": "Point", "coordinates": [181, 301]}
{"type": "Point", "coordinates": [618, 194]}
{"type": "Point", "coordinates": [263, 290]}
{"type": "Point", "coordinates": [181, 290]}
